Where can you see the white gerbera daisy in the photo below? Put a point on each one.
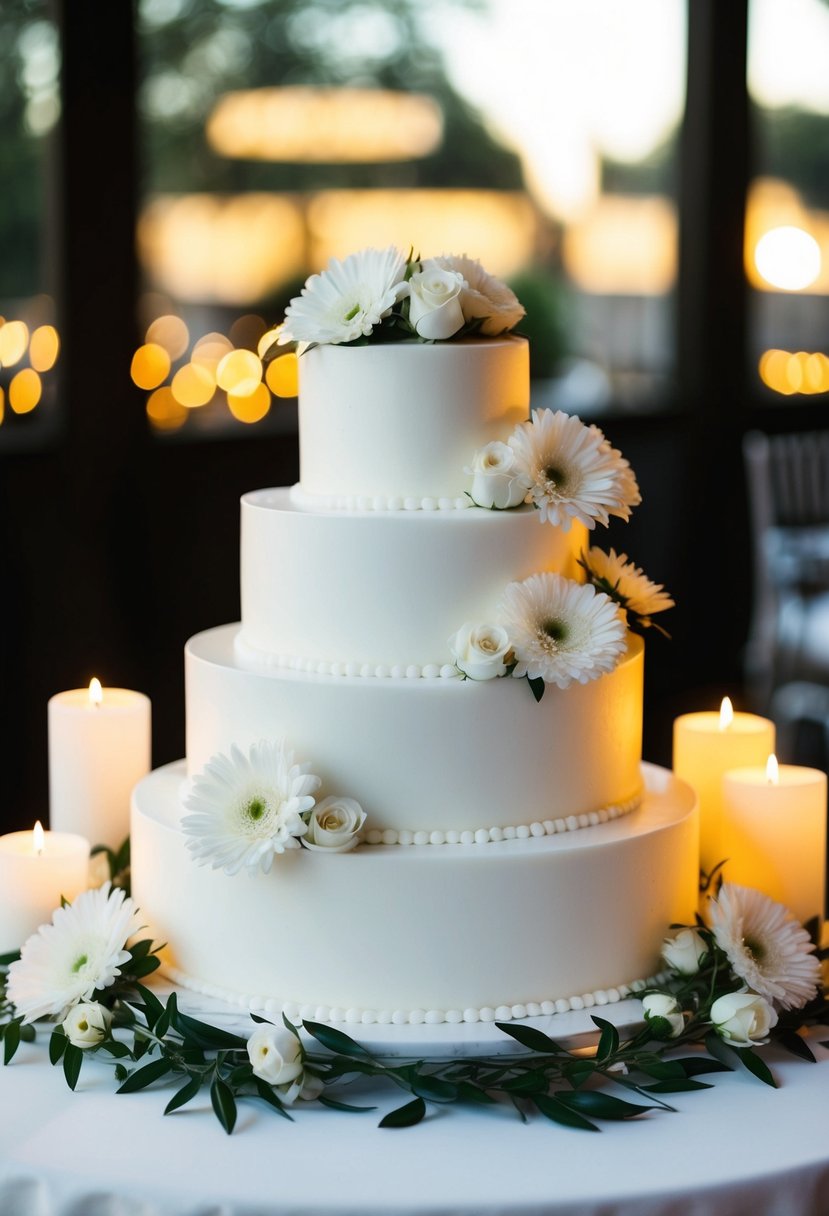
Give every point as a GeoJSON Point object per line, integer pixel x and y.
{"type": "Point", "coordinates": [765, 945]}
{"type": "Point", "coordinates": [618, 577]}
{"type": "Point", "coordinates": [248, 807]}
{"type": "Point", "coordinates": [561, 631]}
{"type": "Point", "coordinates": [573, 470]}
{"type": "Point", "coordinates": [78, 954]}
{"type": "Point", "coordinates": [347, 300]}
{"type": "Point", "coordinates": [483, 296]}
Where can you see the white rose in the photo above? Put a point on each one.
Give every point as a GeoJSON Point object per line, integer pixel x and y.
{"type": "Point", "coordinates": [497, 479]}
{"type": "Point", "coordinates": [334, 825]}
{"type": "Point", "coordinates": [660, 1007]}
{"type": "Point", "coordinates": [685, 951]}
{"type": "Point", "coordinates": [480, 651]}
{"type": "Point", "coordinates": [743, 1019]}
{"type": "Point", "coordinates": [483, 295]}
{"type": "Point", "coordinates": [434, 301]}
{"type": "Point", "coordinates": [87, 1024]}
{"type": "Point", "coordinates": [275, 1055]}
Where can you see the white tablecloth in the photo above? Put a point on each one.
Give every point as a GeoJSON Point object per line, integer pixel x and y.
{"type": "Point", "coordinates": [742, 1149]}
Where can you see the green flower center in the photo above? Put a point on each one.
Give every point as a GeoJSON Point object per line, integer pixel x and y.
{"type": "Point", "coordinates": [255, 809]}
{"type": "Point", "coordinates": [755, 949]}
{"type": "Point", "coordinates": [553, 629]}
{"type": "Point", "coordinates": [79, 963]}
{"type": "Point", "coordinates": [349, 316]}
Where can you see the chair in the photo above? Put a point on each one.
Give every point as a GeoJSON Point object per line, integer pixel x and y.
{"type": "Point", "coordinates": [788, 491]}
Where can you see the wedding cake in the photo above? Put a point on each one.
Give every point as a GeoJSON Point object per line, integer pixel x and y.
{"type": "Point", "coordinates": [423, 740]}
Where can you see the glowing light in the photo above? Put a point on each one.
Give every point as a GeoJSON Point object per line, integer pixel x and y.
{"type": "Point", "coordinates": [267, 340]}
{"type": "Point", "coordinates": [150, 365]}
{"type": "Point", "coordinates": [239, 373]}
{"type": "Point", "coordinates": [170, 332]}
{"type": "Point", "coordinates": [96, 692]}
{"type": "Point", "coordinates": [14, 338]}
{"type": "Point", "coordinates": [2, 405]}
{"type": "Point", "coordinates": [210, 350]}
{"type": "Point", "coordinates": [193, 385]}
{"type": "Point", "coordinates": [726, 713]}
{"type": "Point", "coordinates": [788, 258]}
{"type": "Point", "coordinates": [623, 246]}
{"type": "Point", "coordinates": [799, 372]}
{"type": "Point", "coordinates": [38, 838]}
{"type": "Point", "coordinates": [44, 347]}
{"type": "Point", "coordinates": [25, 391]}
{"type": "Point", "coordinates": [164, 412]}
{"type": "Point", "coordinates": [282, 375]}
{"type": "Point", "coordinates": [325, 125]}
{"type": "Point", "coordinates": [252, 407]}
{"type": "Point", "coordinates": [772, 770]}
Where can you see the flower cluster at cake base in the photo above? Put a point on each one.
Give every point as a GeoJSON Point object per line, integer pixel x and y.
{"type": "Point", "coordinates": [746, 974]}
{"type": "Point", "coordinates": [247, 808]}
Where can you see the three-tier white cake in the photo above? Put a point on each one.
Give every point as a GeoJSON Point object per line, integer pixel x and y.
{"type": "Point", "coordinates": [516, 858]}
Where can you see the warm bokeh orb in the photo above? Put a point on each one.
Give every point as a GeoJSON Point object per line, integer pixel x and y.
{"type": "Point", "coordinates": [252, 407]}
{"type": "Point", "coordinates": [170, 332]}
{"type": "Point", "coordinates": [14, 338]}
{"type": "Point", "coordinates": [239, 373]}
{"type": "Point", "coordinates": [44, 348]}
{"type": "Point", "coordinates": [164, 412]}
{"type": "Point", "coordinates": [150, 365]}
{"type": "Point", "coordinates": [193, 385]}
{"type": "Point", "coordinates": [282, 375]}
{"type": "Point", "coordinates": [25, 391]}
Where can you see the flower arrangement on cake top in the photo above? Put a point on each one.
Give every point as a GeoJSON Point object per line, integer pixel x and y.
{"type": "Point", "coordinates": [378, 294]}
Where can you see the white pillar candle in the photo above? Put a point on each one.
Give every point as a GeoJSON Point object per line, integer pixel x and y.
{"type": "Point", "coordinates": [706, 746]}
{"type": "Point", "coordinates": [99, 747]}
{"type": "Point", "coordinates": [36, 869]}
{"type": "Point", "coordinates": [774, 834]}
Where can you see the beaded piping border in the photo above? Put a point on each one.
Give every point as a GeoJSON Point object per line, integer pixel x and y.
{"type": "Point", "coordinates": [547, 827]}
{"type": "Point", "coordinates": [379, 502]}
{"type": "Point", "coordinates": [322, 667]}
{"type": "Point", "coordinates": [413, 1017]}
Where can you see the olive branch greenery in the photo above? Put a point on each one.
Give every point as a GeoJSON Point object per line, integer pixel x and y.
{"type": "Point", "coordinates": [151, 1041]}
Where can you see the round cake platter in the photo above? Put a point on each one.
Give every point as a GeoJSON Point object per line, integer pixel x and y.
{"type": "Point", "coordinates": [574, 1029]}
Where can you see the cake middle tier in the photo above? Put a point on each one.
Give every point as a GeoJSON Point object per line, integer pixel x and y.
{"type": "Point", "coordinates": [381, 588]}
{"type": "Point", "coordinates": [431, 755]}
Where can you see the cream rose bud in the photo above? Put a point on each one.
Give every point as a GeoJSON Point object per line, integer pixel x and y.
{"type": "Point", "coordinates": [497, 481]}
{"type": "Point", "coordinates": [685, 950]}
{"type": "Point", "coordinates": [87, 1024]}
{"type": "Point", "coordinates": [743, 1019]}
{"type": "Point", "coordinates": [275, 1054]}
{"type": "Point", "coordinates": [664, 1014]}
{"type": "Point", "coordinates": [334, 825]}
{"type": "Point", "coordinates": [435, 302]}
{"type": "Point", "coordinates": [480, 651]}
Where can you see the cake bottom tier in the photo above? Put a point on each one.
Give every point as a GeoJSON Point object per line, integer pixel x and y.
{"type": "Point", "coordinates": [409, 934]}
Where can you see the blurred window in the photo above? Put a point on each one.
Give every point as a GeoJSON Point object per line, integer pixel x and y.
{"type": "Point", "coordinates": [536, 135]}
{"type": "Point", "coordinates": [787, 216]}
{"type": "Point", "coordinates": [29, 112]}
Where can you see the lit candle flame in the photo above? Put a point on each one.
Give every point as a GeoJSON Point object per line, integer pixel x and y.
{"type": "Point", "coordinates": [772, 770]}
{"type": "Point", "coordinates": [726, 713]}
{"type": "Point", "coordinates": [38, 838]}
{"type": "Point", "coordinates": [96, 693]}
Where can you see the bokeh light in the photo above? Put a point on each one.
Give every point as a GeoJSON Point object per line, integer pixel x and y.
{"type": "Point", "coordinates": [788, 258]}
{"type": "Point", "coordinates": [209, 351]}
{"type": "Point", "coordinates": [252, 407]}
{"type": "Point", "coordinates": [240, 373]}
{"type": "Point", "coordinates": [788, 372]}
{"type": "Point", "coordinates": [282, 375]}
{"type": "Point", "coordinates": [14, 338]}
{"type": "Point", "coordinates": [170, 332]}
{"type": "Point", "coordinates": [164, 412]}
{"type": "Point", "coordinates": [267, 340]}
{"type": "Point", "coordinates": [44, 347]}
{"type": "Point", "coordinates": [25, 391]}
{"type": "Point", "coordinates": [150, 365]}
{"type": "Point", "coordinates": [193, 385]}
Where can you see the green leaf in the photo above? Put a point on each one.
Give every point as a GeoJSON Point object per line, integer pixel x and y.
{"type": "Point", "coordinates": [537, 686]}
{"type": "Point", "coordinates": [254, 1017]}
{"type": "Point", "coordinates": [240, 1076]}
{"type": "Point", "coordinates": [720, 1050]}
{"type": "Point", "coordinates": [528, 1036]}
{"type": "Point", "coordinates": [661, 1070]}
{"type": "Point", "coordinates": [342, 1105]}
{"type": "Point", "coordinates": [141, 950]}
{"type": "Point", "coordinates": [224, 1104]}
{"type": "Point", "coordinates": [144, 1076]}
{"type": "Point", "coordinates": [602, 1106]}
{"type": "Point", "coordinates": [434, 1089]}
{"type": "Point", "coordinates": [679, 1086]}
{"type": "Point", "coordinates": [526, 1083]}
{"type": "Point", "coordinates": [468, 1092]}
{"type": "Point", "coordinates": [183, 1095]}
{"type": "Point", "coordinates": [122, 857]}
{"type": "Point", "coordinates": [796, 1046]}
{"type": "Point", "coordinates": [7, 959]}
{"type": "Point", "coordinates": [72, 1061]}
{"type": "Point", "coordinates": [579, 1071]}
{"type": "Point", "coordinates": [144, 966]}
{"type": "Point", "coordinates": [695, 1066]}
{"type": "Point", "coordinates": [57, 1045]}
{"type": "Point", "coordinates": [121, 1073]}
{"type": "Point", "coordinates": [11, 1039]}
{"type": "Point", "coordinates": [405, 1116]}
{"type": "Point", "coordinates": [201, 1033]}
{"type": "Point", "coordinates": [288, 1024]}
{"type": "Point", "coordinates": [553, 1109]}
{"type": "Point", "coordinates": [608, 1040]}
{"type": "Point", "coordinates": [334, 1040]}
{"type": "Point", "coordinates": [756, 1066]}
{"type": "Point", "coordinates": [115, 1048]}
{"type": "Point", "coordinates": [28, 1034]}
{"type": "Point", "coordinates": [153, 1007]}
{"type": "Point", "coordinates": [264, 1091]}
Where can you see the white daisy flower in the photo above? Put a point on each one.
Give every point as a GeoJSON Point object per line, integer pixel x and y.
{"type": "Point", "coordinates": [765, 945]}
{"type": "Point", "coordinates": [347, 300]}
{"type": "Point", "coordinates": [573, 470]}
{"type": "Point", "coordinates": [78, 954]}
{"type": "Point", "coordinates": [561, 631]}
{"type": "Point", "coordinates": [618, 577]}
{"type": "Point", "coordinates": [248, 807]}
{"type": "Point", "coordinates": [483, 296]}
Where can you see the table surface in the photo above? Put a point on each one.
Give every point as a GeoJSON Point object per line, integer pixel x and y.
{"type": "Point", "coordinates": [739, 1148]}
